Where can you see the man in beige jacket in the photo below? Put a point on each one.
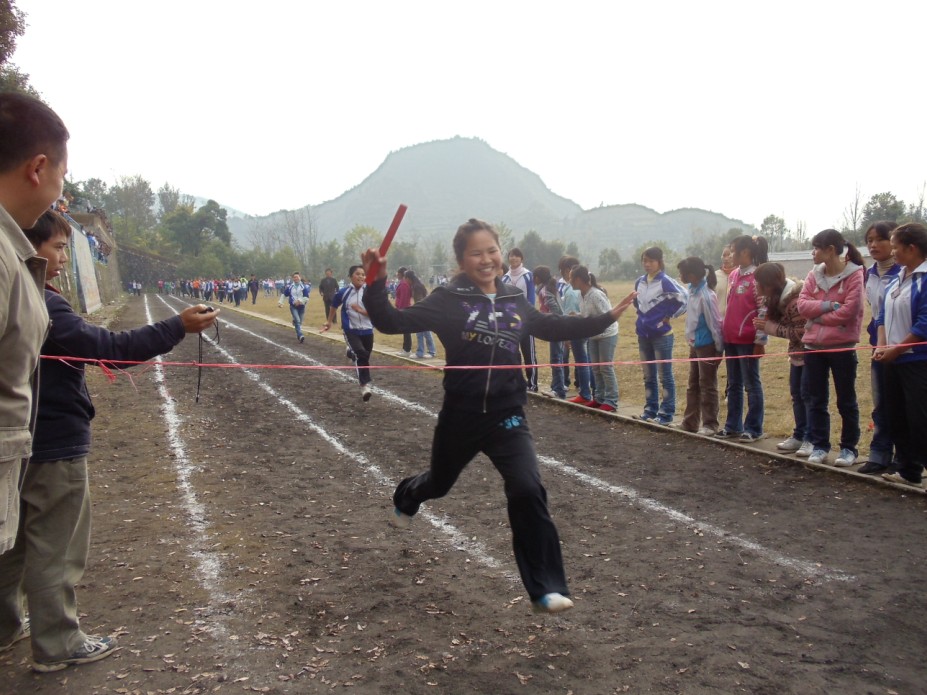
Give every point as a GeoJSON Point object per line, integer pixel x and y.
{"type": "Point", "coordinates": [33, 162]}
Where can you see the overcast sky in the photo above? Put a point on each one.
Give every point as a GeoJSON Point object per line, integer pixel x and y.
{"type": "Point", "coordinates": [743, 108]}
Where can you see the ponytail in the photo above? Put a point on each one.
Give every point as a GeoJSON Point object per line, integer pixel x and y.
{"type": "Point", "coordinates": [757, 245]}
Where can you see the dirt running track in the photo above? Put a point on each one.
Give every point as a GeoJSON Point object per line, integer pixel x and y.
{"type": "Point", "coordinates": [251, 552]}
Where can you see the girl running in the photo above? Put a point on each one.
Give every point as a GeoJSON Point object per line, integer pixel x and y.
{"type": "Point", "coordinates": [358, 331]}
{"type": "Point", "coordinates": [480, 320]}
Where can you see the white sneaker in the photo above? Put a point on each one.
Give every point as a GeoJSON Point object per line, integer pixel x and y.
{"type": "Point", "coordinates": [552, 603]}
{"type": "Point", "coordinates": [366, 393]}
{"type": "Point", "coordinates": [817, 456]}
{"type": "Point", "coordinates": [706, 431]}
{"type": "Point", "coordinates": [846, 459]}
{"type": "Point", "coordinates": [789, 445]}
{"type": "Point", "coordinates": [805, 449]}
{"type": "Point", "coordinates": [404, 353]}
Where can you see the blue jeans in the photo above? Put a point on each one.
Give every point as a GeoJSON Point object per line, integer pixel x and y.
{"type": "Point", "coordinates": [557, 374]}
{"type": "Point", "coordinates": [297, 313]}
{"type": "Point", "coordinates": [818, 368]}
{"type": "Point", "coordinates": [583, 374]}
{"type": "Point", "coordinates": [606, 384]}
{"type": "Point", "coordinates": [658, 404]}
{"type": "Point", "coordinates": [799, 402]}
{"type": "Point", "coordinates": [881, 449]}
{"type": "Point", "coordinates": [423, 338]}
{"type": "Point", "coordinates": [743, 375]}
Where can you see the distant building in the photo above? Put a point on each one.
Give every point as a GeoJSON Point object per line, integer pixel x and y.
{"type": "Point", "coordinates": [798, 263]}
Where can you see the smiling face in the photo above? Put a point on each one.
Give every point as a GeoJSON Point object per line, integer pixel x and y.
{"type": "Point", "coordinates": [358, 277]}
{"type": "Point", "coordinates": [482, 260]}
{"type": "Point", "coordinates": [55, 251]}
{"type": "Point", "coordinates": [515, 261]}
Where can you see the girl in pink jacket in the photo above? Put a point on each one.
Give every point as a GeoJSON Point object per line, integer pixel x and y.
{"type": "Point", "coordinates": [832, 303]}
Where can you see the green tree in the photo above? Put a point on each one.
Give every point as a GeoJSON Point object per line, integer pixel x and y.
{"type": "Point", "coordinates": [775, 231]}
{"type": "Point", "coordinates": [506, 237]}
{"type": "Point", "coordinates": [168, 200]}
{"type": "Point", "coordinates": [192, 231]}
{"type": "Point", "coordinates": [709, 247]}
{"type": "Point", "coordinates": [130, 205]}
{"type": "Point", "coordinates": [609, 264]}
{"type": "Point", "coordinates": [358, 240]}
{"type": "Point", "coordinates": [12, 26]}
{"type": "Point", "coordinates": [537, 251]}
{"type": "Point", "coordinates": [882, 206]}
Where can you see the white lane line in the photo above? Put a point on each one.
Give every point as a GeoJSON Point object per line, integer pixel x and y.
{"type": "Point", "coordinates": [803, 567]}
{"type": "Point", "coordinates": [208, 565]}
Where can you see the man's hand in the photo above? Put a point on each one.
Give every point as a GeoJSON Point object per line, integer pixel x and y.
{"type": "Point", "coordinates": [198, 318]}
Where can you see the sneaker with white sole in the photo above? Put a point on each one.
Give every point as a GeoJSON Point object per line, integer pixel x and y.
{"type": "Point", "coordinates": [706, 431]}
{"type": "Point", "coordinates": [898, 478]}
{"type": "Point", "coordinates": [93, 649]}
{"type": "Point", "coordinates": [817, 456]}
{"type": "Point", "coordinates": [399, 520]}
{"type": "Point", "coordinates": [366, 393]}
{"type": "Point", "coordinates": [805, 449]}
{"type": "Point", "coordinates": [552, 603]}
{"type": "Point", "coordinates": [24, 632]}
{"type": "Point", "coordinates": [846, 459]}
{"type": "Point", "coordinates": [789, 445]}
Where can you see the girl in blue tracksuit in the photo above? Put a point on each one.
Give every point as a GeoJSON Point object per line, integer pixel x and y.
{"type": "Point", "coordinates": [358, 331]}
{"type": "Point", "coordinates": [884, 269]}
{"type": "Point", "coordinates": [903, 320]}
{"type": "Point", "coordinates": [659, 299]}
{"type": "Point", "coordinates": [480, 321]}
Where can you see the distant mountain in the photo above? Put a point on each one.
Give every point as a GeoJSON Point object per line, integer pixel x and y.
{"type": "Point", "coordinates": [445, 182]}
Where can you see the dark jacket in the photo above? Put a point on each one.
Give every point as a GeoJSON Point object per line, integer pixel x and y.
{"type": "Point", "coordinates": [477, 330]}
{"type": "Point", "coordinates": [62, 430]}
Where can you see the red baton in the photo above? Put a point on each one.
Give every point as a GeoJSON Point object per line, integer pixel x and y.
{"type": "Point", "coordinates": [387, 240]}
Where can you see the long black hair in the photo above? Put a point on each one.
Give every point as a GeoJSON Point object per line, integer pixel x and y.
{"type": "Point", "coordinates": [831, 237]}
{"type": "Point", "coordinates": [758, 247]}
{"type": "Point", "coordinates": [693, 265]}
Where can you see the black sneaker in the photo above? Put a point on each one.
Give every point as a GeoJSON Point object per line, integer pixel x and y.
{"type": "Point", "coordinates": [93, 649]}
{"type": "Point", "coordinates": [873, 468]}
{"type": "Point", "coordinates": [349, 353]}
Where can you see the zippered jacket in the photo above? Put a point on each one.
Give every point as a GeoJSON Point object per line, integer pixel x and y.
{"type": "Point", "coordinates": [476, 332]}
{"type": "Point", "coordinates": [917, 316]}
{"type": "Point", "coordinates": [875, 290]}
{"type": "Point", "coordinates": [743, 306]}
{"type": "Point", "coordinates": [62, 429]}
{"type": "Point", "coordinates": [826, 327]}
{"type": "Point", "coordinates": [523, 279]}
{"type": "Point", "coordinates": [658, 301]}
{"type": "Point", "coordinates": [703, 302]}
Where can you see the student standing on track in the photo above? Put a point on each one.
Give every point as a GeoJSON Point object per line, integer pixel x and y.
{"type": "Point", "coordinates": [358, 331]}
{"type": "Point", "coordinates": [903, 320]}
{"type": "Point", "coordinates": [481, 321]}
{"type": "Point", "coordinates": [831, 301]}
{"type": "Point", "coordinates": [519, 276]}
